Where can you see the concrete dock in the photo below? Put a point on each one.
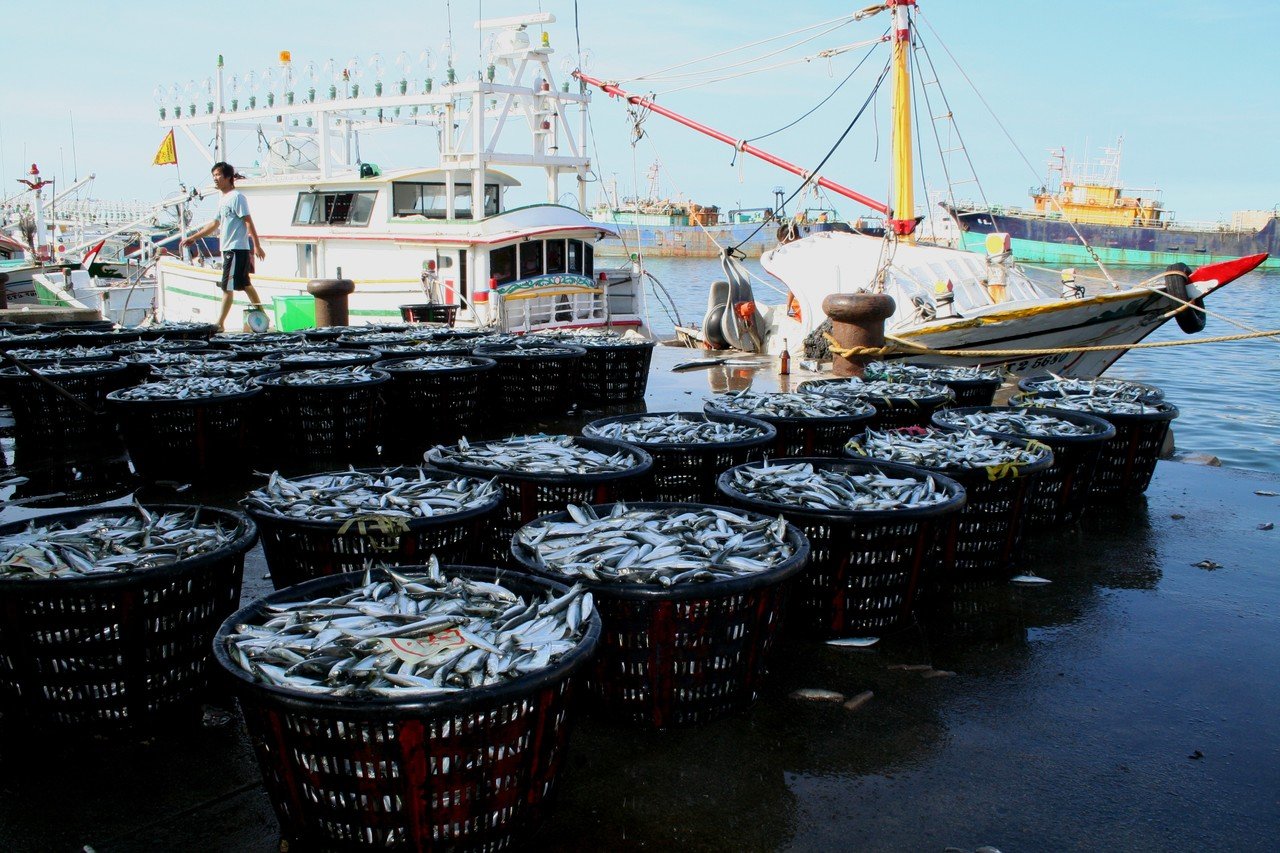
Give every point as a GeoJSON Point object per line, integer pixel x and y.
{"type": "Point", "coordinates": [1128, 705]}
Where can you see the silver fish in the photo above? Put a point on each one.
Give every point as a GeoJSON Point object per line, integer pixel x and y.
{"type": "Point", "coordinates": [676, 428]}
{"type": "Point", "coordinates": [394, 492]}
{"type": "Point", "coordinates": [942, 449]}
{"type": "Point", "coordinates": [1022, 422]}
{"type": "Point", "coordinates": [789, 405]}
{"type": "Point", "coordinates": [534, 454]}
{"type": "Point", "coordinates": [800, 485]}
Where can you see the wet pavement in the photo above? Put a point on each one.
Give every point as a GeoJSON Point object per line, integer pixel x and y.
{"type": "Point", "coordinates": [1129, 705]}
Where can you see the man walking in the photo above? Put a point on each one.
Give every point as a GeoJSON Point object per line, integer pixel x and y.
{"type": "Point", "coordinates": [235, 231]}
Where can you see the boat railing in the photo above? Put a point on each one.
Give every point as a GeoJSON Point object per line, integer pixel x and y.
{"type": "Point", "coordinates": [553, 311]}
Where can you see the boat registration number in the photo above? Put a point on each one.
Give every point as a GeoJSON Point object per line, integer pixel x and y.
{"type": "Point", "coordinates": [1041, 363]}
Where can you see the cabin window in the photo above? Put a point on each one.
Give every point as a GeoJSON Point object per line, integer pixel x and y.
{"type": "Point", "coordinates": [338, 208]}
{"type": "Point", "coordinates": [555, 256]}
{"type": "Point", "coordinates": [588, 260]}
{"type": "Point", "coordinates": [428, 200]}
{"type": "Point", "coordinates": [575, 256]}
{"type": "Point", "coordinates": [531, 258]}
{"type": "Point", "coordinates": [502, 264]}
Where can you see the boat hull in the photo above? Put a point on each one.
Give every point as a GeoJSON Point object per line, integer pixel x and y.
{"type": "Point", "coordinates": [1052, 241]}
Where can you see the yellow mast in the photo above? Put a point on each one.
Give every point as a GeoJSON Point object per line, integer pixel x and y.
{"type": "Point", "coordinates": [903, 198]}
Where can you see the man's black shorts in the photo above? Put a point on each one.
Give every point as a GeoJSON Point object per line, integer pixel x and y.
{"type": "Point", "coordinates": [236, 266]}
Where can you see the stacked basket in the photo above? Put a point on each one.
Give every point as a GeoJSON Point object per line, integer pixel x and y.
{"type": "Point", "coordinates": [897, 404]}
{"type": "Point", "coordinates": [807, 424]}
{"type": "Point", "coordinates": [434, 399]}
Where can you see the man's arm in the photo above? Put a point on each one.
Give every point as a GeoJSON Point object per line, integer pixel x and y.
{"type": "Point", "coordinates": [258, 250]}
{"type": "Point", "coordinates": [205, 231]}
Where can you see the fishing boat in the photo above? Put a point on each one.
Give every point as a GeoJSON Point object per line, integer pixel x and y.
{"type": "Point", "coordinates": [945, 298]}
{"type": "Point", "coordinates": [443, 235]}
{"type": "Point", "coordinates": [1084, 213]}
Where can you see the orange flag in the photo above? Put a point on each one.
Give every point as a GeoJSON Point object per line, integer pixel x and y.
{"type": "Point", "coordinates": [168, 153]}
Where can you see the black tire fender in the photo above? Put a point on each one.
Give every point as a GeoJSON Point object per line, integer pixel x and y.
{"type": "Point", "coordinates": [1175, 284]}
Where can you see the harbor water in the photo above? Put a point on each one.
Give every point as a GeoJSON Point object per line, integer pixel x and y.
{"type": "Point", "coordinates": [1226, 392]}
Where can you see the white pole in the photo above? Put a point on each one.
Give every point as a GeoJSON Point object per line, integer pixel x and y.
{"type": "Point", "coordinates": [219, 132]}
{"type": "Point", "coordinates": [477, 172]}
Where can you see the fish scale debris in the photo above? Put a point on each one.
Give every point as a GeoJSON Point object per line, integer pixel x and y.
{"type": "Point", "coordinates": [108, 544]}
{"type": "Point", "coordinates": [400, 493]}
{"type": "Point", "coordinates": [410, 636]}
{"type": "Point", "coordinates": [677, 429]}
{"type": "Point", "coordinates": [789, 405]}
{"type": "Point", "coordinates": [1024, 422]}
{"type": "Point", "coordinates": [662, 547]}
{"type": "Point", "coordinates": [535, 454]}
{"type": "Point", "coordinates": [942, 449]}
{"type": "Point", "coordinates": [802, 486]}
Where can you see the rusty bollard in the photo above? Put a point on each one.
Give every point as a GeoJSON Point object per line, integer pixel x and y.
{"type": "Point", "coordinates": [857, 320]}
{"type": "Point", "coordinates": [4, 290]}
{"type": "Point", "coordinates": [331, 300]}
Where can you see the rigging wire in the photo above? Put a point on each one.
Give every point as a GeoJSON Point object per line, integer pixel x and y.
{"type": "Point", "coordinates": [742, 64]}
{"type": "Point", "coordinates": [982, 193]}
{"type": "Point", "coordinates": [774, 67]}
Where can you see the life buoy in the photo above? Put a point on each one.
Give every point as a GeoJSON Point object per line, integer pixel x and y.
{"type": "Point", "coordinates": [1175, 284]}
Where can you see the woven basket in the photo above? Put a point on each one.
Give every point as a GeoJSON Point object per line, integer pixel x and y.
{"type": "Point", "coordinates": [430, 407]}
{"type": "Point", "coordinates": [685, 654]}
{"type": "Point", "coordinates": [300, 550]}
{"type": "Point", "coordinates": [866, 568]}
{"type": "Point", "coordinates": [310, 424]}
{"type": "Point", "coordinates": [807, 436]}
{"type": "Point", "coordinates": [473, 770]}
{"type": "Point", "coordinates": [120, 650]}
{"type": "Point", "coordinates": [534, 380]}
{"type": "Point", "coordinates": [612, 373]}
{"type": "Point", "coordinates": [47, 424]}
{"type": "Point", "coordinates": [891, 412]}
{"type": "Point", "coordinates": [686, 473]}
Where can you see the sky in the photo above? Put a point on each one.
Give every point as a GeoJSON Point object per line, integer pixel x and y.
{"type": "Point", "coordinates": [1190, 85]}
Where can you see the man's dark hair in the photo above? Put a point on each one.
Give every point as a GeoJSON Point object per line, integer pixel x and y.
{"type": "Point", "coordinates": [226, 170]}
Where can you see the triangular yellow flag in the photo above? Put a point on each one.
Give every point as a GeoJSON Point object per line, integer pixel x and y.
{"type": "Point", "coordinates": [168, 153]}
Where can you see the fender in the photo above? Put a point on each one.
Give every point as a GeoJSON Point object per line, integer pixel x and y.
{"type": "Point", "coordinates": [1175, 284]}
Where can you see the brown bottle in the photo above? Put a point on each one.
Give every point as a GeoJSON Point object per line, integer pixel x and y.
{"type": "Point", "coordinates": [784, 360]}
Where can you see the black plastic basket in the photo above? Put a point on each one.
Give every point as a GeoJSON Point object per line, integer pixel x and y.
{"type": "Point", "coordinates": [430, 407]}
{"type": "Point", "coordinates": [615, 372]}
{"type": "Point", "coordinates": [329, 359]}
{"type": "Point", "coordinates": [429, 312]}
{"type": "Point", "coordinates": [866, 568]}
{"type": "Point", "coordinates": [534, 379]}
{"type": "Point", "coordinates": [299, 549]}
{"type": "Point", "coordinates": [93, 478]}
{"type": "Point", "coordinates": [1060, 494]}
{"type": "Point", "coordinates": [976, 391]}
{"type": "Point", "coordinates": [473, 770]}
{"type": "Point", "coordinates": [98, 654]}
{"type": "Point", "coordinates": [179, 331]}
{"type": "Point", "coordinates": [807, 436]}
{"type": "Point", "coordinates": [308, 424]}
{"type": "Point", "coordinates": [527, 496]}
{"type": "Point", "coordinates": [1039, 387]}
{"type": "Point", "coordinates": [47, 424]}
{"type": "Point", "coordinates": [336, 333]}
{"type": "Point", "coordinates": [891, 412]}
{"type": "Point", "coordinates": [686, 473]}
{"type": "Point", "coordinates": [197, 439]}
{"type": "Point", "coordinates": [988, 530]}
{"type": "Point", "coordinates": [684, 654]}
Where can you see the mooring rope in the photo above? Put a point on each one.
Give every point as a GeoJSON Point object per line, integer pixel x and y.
{"type": "Point", "coordinates": [902, 346]}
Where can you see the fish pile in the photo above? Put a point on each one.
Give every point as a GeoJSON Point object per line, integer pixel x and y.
{"type": "Point", "coordinates": [329, 331]}
{"type": "Point", "coordinates": [65, 368]}
{"type": "Point", "coordinates": [677, 428]}
{"type": "Point", "coordinates": [411, 347]}
{"type": "Point", "coordinates": [258, 338]}
{"type": "Point", "coordinates": [400, 493]}
{"type": "Point", "coordinates": [31, 337]}
{"type": "Point", "coordinates": [160, 345]}
{"type": "Point", "coordinates": [662, 547]}
{"type": "Point", "coordinates": [185, 388]}
{"type": "Point", "coordinates": [324, 376]}
{"type": "Point", "coordinates": [433, 362]}
{"type": "Point", "coordinates": [876, 389]}
{"type": "Point", "coordinates": [375, 337]}
{"type": "Point", "coordinates": [800, 485]}
{"type": "Point", "coordinates": [1021, 422]}
{"type": "Point", "coordinates": [168, 357]}
{"type": "Point", "coordinates": [205, 364]}
{"type": "Point", "coordinates": [108, 543]}
{"type": "Point", "coordinates": [593, 339]}
{"type": "Point", "coordinates": [943, 450]}
{"type": "Point", "coordinates": [178, 327]}
{"type": "Point", "coordinates": [1102, 405]}
{"type": "Point", "coordinates": [534, 454]}
{"type": "Point", "coordinates": [61, 353]}
{"type": "Point", "coordinates": [319, 356]}
{"type": "Point", "coordinates": [525, 348]}
{"type": "Point", "coordinates": [1115, 388]}
{"type": "Point", "coordinates": [788, 405]}
{"type": "Point", "coordinates": [295, 345]}
{"type": "Point", "coordinates": [410, 636]}
{"type": "Point", "coordinates": [898, 371]}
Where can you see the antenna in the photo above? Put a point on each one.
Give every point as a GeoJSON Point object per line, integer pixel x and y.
{"type": "Point", "coordinates": [75, 168]}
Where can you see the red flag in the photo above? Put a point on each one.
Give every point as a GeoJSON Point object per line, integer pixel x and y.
{"type": "Point", "coordinates": [92, 255]}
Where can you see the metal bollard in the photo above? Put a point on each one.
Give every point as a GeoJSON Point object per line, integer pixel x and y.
{"type": "Point", "coordinates": [857, 320]}
{"type": "Point", "coordinates": [331, 300]}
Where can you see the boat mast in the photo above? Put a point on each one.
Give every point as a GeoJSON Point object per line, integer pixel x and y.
{"type": "Point", "coordinates": [902, 217]}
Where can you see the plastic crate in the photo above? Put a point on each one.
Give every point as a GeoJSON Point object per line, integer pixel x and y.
{"type": "Point", "coordinates": [430, 407]}
{"type": "Point", "coordinates": [294, 313]}
{"type": "Point", "coordinates": [534, 379]}
{"type": "Point", "coordinates": [808, 436]}
{"type": "Point", "coordinates": [429, 312]}
{"type": "Point", "coordinates": [45, 423]}
{"type": "Point", "coordinates": [611, 373]}
{"type": "Point", "coordinates": [309, 424]}
{"type": "Point", "coordinates": [891, 412]}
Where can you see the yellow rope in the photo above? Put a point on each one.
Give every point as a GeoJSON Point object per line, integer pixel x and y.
{"type": "Point", "coordinates": [902, 345]}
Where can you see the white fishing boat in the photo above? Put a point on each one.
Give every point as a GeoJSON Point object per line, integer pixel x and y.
{"type": "Point", "coordinates": [945, 299]}
{"type": "Point", "coordinates": [444, 235]}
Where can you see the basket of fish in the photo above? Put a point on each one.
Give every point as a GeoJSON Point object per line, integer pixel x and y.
{"type": "Point", "coordinates": [972, 386]}
{"type": "Point", "coordinates": [191, 429]}
{"type": "Point", "coordinates": [315, 415]}
{"type": "Point", "coordinates": [177, 331]}
{"type": "Point", "coordinates": [255, 350]}
{"type": "Point", "coordinates": [320, 359]}
{"type": "Point", "coordinates": [344, 521]}
{"type": "Point", "coordinates": [375, 338]}
{"type": "Point", "coordinates": [423, 708]}
{"type": "Point", "coordinates": [807, 424]}
{"type": "Point", "coordinates": [1128, 460]}
{"type": "Point", "coordinates": [689, 449]}
{"type": "Point", "coordinates": [156, 345]}
{"type": "Point", "coordinates": [213, 364]}
{"type": "Point", "coordinates": [691, 598]}
{"type": "Point", "coordinates": [875, 530]}
{"type": "Point", "coordinates": [107, 615]}
{"type": "Point", "coordinates": [898, 404]}
{"type": "Point", "coordinates": [434, 399]}
{"type": "Point", "coordinates": [1060, 493]}
{"type": "Point", "coordinates": [48, 423]}
{"type": "Point", "coordinates": [996, 474]}
{"type": "Point", "coordinates": [1052, 386]}
{"type": "Point", "coordinates": [542, 474]}
{"type": "Point", "coordinates": [145, 363]}
{"type": "Point", "coordinates": [534, 377]}
{"type": "Point", "coordinates": [40, 356]}
{"type": "Point", "coordinates": [615, 368]}
{"type": "Point", "coordinates": [337, 333]}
